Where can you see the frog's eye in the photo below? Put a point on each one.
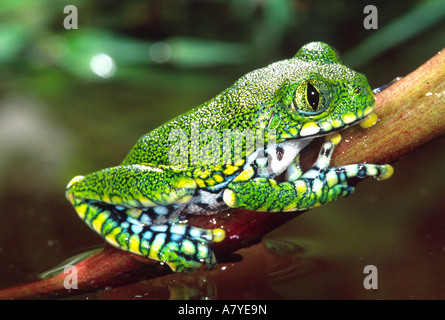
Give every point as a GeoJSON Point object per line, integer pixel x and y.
{"type": "Point", "coordinates": [311, 97]}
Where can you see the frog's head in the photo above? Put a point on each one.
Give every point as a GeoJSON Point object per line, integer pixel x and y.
{"type": "Point", "coordinates": [318, 95]}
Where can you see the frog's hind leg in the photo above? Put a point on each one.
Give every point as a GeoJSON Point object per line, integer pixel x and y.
{"type": "Point", "coordinates": [137, 208]}
{"type": "Point", "coordinates": [184, 248]}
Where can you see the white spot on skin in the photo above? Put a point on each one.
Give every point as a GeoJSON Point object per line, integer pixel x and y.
{"type": "Point", "coordinates": [275, 167]}
{"type": "Point", "coordinates": [160, 228]}
{"type": "Point", "coordinates": [160, 210]}
{"type": "Point", "coordinates": [136, 228]}
{"type": "Point", "coordinates": [145, 219]}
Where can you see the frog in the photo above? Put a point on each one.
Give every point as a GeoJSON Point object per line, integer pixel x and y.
{"type": "Point", "coordinates": [270, 115]}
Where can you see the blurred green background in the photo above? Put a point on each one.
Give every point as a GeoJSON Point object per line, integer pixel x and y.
{"type": "Point", "coordinates": [75, 101]}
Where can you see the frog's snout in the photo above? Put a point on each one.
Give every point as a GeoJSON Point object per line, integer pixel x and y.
{"type": "Point", "coordinates": [73, 181]}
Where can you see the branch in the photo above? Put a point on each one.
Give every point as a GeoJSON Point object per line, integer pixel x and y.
{"type": "Point", "coordinates": [411, 113]}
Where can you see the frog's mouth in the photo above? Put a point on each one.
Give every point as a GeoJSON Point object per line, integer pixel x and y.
{"type": "Point", "coordinates": [312, 129]}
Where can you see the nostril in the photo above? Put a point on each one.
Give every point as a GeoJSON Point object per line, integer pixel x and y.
{"type": "Point", "coordinates": [358, 90]}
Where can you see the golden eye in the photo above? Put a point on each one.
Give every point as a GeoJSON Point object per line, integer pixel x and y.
{"type": "Point", "coordinates": [311, 97]}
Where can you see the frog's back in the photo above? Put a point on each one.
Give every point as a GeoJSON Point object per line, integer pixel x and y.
{"type": "Point", "coordinates": [235, 108]}
{"type": "Point", "coordinates": [217, 114]}
{"type": "Point", "coordinates": [238, 107]}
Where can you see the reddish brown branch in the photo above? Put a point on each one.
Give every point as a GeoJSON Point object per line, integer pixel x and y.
{"type": "Point", "coordinates": [411, 112]}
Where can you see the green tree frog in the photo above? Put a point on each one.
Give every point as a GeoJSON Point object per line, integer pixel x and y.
{"type": "Point", "coordinates": [226, 153]}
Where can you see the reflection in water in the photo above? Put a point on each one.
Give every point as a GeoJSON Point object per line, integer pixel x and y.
{"type": "Point", "coordinates": [248, 275]}
{"type": "Point", "coordinates": [291, 259]}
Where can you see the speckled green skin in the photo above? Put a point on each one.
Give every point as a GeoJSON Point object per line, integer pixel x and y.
{"type": "Point", "coordinates": [141, 204]}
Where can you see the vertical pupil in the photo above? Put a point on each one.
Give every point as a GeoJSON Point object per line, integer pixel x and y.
{"type": "Point", "coordinates": [313, 97]}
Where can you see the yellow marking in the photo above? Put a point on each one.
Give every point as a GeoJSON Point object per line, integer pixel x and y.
{"type": "Point", "coordinates": [230, 170]}
{"type": "Point", "coordinates": [218, 235]}
{"type": "Point", "coordinates": [185, 183]}
{"type": "Point", "coordinates": [266, 208]}
{"type": "Point", "coordinates": [70, 197]}
{"type": "Point", "coordinates": [370, 120]}
{"type": "Point", "coordinates": [293, 132]}
{"type": "Point", "coordinates": [203, 174]}
{"type": "Point", "coordinates": [309, 128]}
{"type": "Point", "coordinates": [348, 117]}
{"type": "Point", "coordinates": [82, 210]}
{"type": "Point", "coordinates": [286, 135]}
{"type": "Point", "coordinates": [203, 251]}
{"type": "Point", "coordinates": [134, 212]}
{"type": "Point", "coordinates": [245, 175]}
{"type": "Point", "coordinates": [239, 162]}
{"type": "Point", "coordinates": [229, 197]}
{"type": "Point", "coordinates": [188, 247]}
{"type": "Point", "coordinates": [300, 186]}
{"type": "Point", "coordinates": [200, 182]}
{"type": "Point", "coordinates": [99, 221]}
{"type": "Point", "coordinates": [144, 202]}
{"type": "Point", "coordinates": [326, 126]}
{"type": "Point", "coordinates": [388, 171]}
{"type": "Point", "coordinates": [115, 199]}
{"type": "Point", "coordinates": [289, 207]}
{"type": "Point", "coordinates": [156, 246]}
{"type": "Point", "coordinates": [111, 237]}
{"type": "Point", "coordinates": [144, 247]}
{"type": "Point", "coordinates": [134, 244]}
{"type": "Point", "coordinates": [172, 265]}
{"type": "Point", "coordinates": [335, 138]}
{"type": "Point", "coordinates": [210, 182]}
{"type": "Point", "coordinates": [368, 110]}
{"type": "Point", "coordinates": [336, 123]}
{"type": "Point", "coordinates": [218, 178]}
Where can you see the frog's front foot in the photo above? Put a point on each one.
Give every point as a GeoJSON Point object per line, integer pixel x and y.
{"type": "Point", "coordinates": [329, 184]}
{"type": "Point", "coordinates": [318, 185]}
